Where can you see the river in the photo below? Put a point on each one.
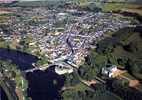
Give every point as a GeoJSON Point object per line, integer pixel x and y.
{"type": "Point", "coordinates": [22, 60]}
{"type": "Point", "coordinates": [41, 84]}
{"type": "Point", "coordinates": [2, 95]}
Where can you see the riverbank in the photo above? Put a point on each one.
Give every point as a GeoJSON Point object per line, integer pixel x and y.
{"type": "Point", "coordinates": [13, 63]}
{"type": "Point", "coordinates": [10, 93]}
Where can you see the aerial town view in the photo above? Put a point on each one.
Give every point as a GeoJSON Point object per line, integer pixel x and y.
{"type": "Point", "coordinates": [70, 49]}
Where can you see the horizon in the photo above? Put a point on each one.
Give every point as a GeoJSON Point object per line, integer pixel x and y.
{"type": "Point", "coordinates": [10, 1]}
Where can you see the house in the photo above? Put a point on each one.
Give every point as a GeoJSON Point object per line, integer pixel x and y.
{"type": "Point", "coordinates": [109, 71]}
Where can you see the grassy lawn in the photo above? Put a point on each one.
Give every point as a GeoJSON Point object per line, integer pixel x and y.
{"type": "Point", "coordinates": [3, 44]}
{"type": "Point", "coordinates": [128, 76]}
{"type": "Point", "coordinates": [81, 87]}
{"type": "Point", "coordinates": [138, 11]}
{"type": "Point", "coordinates": [135, 8]}
{"type": "Point", "coordinates": [70, 94]}
{"type": "Point", "coordinates": [119, 52]}
{"type": "Point", "coordinates": [3, 18]}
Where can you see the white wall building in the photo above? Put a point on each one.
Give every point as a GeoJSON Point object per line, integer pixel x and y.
{"type": "Point", "coordinates": [110, 71]}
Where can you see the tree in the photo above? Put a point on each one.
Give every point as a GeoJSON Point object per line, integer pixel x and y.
{"type": "Point", "coordinates": [136, 69]}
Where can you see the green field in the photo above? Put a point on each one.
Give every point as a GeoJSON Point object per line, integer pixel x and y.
{"type": "Point", "coordinates": [107, 7]}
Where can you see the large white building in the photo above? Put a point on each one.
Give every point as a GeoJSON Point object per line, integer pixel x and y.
{"type": "Point", "coordinates": [109, 71]}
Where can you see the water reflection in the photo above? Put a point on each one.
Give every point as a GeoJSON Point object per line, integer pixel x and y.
{"type": "Point", "coordinates": [2, 95]}
{"type": "Point", "coordinates": [42, 85]}
{"type": "Point", "coordinates": [45, 85]}
{"type": "Point", "coordinates": [23, 60]}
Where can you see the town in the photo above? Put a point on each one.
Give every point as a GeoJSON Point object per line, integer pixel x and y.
{"type": "Point", "coordinates": [55, 33]}
{"type": "Point", "coordinates": [70, 50]}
